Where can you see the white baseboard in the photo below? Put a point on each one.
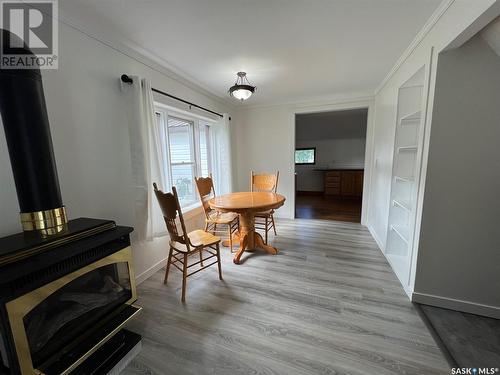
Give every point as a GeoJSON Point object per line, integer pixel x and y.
{"type": "Point", "coordinates": [375, 237]}
{"type": "Point", "coordinates": [444, 302]}
{"type": "Point", "coordinates": [150, 271]}
{"type": "Point", "coordinates": [456, 304]}
{"type": "Point", "coordinates": [406, 289]}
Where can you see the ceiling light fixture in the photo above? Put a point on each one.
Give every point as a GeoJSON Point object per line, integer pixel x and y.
{"type": "Point", "coordinates": [242, 89]}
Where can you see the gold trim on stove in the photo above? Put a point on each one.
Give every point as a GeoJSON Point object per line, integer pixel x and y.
{"type": "Point", "coordinates": [6, 259]}
{"type": "Point", "coordinates": [100, 343]}
{"type": "Point", "coordinates": [18, 308]}
{"type": "Point", "coordinates": [47, 222]}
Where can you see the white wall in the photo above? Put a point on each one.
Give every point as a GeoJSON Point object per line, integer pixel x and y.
{"type": "Point", "coordinates": [347, 124]}
{"type": "Point", "coordinates": [265, 141]}
{"type": "Point", "coordinates": [90, 135]}
{"type": "Point", "coordinates": [264, 137]}
{"type": "Point", "coordinates": [454, 18]}
{"type": "Point", "coordinates": [330, 153]}
{"type": "Point", "coordinates": [454, 23]}
{"type": "Point", "coordinates": [340, 141]}
{"type": "Point", "coordinates": [459, 252]}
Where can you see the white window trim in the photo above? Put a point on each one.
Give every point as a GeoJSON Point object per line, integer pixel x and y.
{"type": "Point", "coordinates": [183, 114]}
{"type": "Point", "coordinates": [166, 111]}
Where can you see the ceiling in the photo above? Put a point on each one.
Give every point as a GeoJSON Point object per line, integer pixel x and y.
{"type": "Point", "coordinates": [292, 50]}
{"type": "Point", "coordinates": [350, 124]}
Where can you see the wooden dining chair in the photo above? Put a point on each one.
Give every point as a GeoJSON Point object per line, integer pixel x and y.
{"type": "Point", "coordinates": [227, 222]}
{"type": "Point", "coordinates": [267, 183]}
{"type": "Point", "coordinates": [184, 244]}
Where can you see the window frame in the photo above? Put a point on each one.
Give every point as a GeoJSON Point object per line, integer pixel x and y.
{"type": "Point", "coordinates": [305, 148]}
{"type": "Point", "coordinates": [208, 142]}
{"type": "Point", "coordinates": [196, 123]}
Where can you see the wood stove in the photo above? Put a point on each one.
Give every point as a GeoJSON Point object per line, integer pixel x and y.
{"type": "Point", "coordinates": [64, 296]}
{"type": "Point", "coordinates": [67, 288]}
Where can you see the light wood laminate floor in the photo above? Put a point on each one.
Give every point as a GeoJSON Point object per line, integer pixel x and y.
{"type": "Point", "coordinates": [328, 303]}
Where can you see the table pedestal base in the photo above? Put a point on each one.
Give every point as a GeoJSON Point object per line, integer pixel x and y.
{"type": "Point", "coordinates": [249, 238]}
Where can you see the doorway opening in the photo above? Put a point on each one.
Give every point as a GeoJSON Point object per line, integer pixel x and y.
{"type": "Point", "coordinates": [329, 164]}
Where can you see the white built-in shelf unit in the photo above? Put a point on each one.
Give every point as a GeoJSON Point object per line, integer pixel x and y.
{"type": "Point", "coordinates": [405, 176]}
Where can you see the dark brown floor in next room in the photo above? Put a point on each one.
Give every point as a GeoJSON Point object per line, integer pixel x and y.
{"type": "Point", "coordinates": [326, 207]}
{"type": "Point", "coordinates": [470, 340]}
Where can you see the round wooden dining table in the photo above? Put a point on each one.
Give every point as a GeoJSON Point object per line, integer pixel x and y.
{"type": "Point", "coordinates": [247, 204]}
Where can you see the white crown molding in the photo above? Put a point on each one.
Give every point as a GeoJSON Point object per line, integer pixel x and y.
{"type": "Point", "coordinates": [366, 96]}
{"type": "Point", "coordinates": [147, 58]}
{"type": "Point", "coordinates": [433, 19]}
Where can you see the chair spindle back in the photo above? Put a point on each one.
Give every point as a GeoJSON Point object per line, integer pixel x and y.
{"type": "Point", "coordinates": [264, 182]}
{"type": "Point", "coordinates": [170, 208]}
{"type": "Point", "coordinates": [205, 186]}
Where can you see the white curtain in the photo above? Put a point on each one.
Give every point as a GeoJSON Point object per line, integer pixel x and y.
{"type": "Point", "coordinates": [147, 158]}
{"type": "Point", "coordinates": [222, 156]}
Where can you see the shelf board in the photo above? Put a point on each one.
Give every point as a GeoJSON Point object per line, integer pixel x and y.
{"type": "Point", "coordinates": [401, 231]}
{"type": "Point", "coordinates": [411, 116]}
{"type": "Point", "coordinates": [404, 206]}
{"type": "Point", "coordinates": [412, 86]}
{"type": "Point", "coordinates": [407, 149]}
{"type": "Point", "coordinates": [404, 179]}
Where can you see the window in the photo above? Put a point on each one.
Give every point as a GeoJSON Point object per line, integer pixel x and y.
{"type": "Point", "coordinates": [187, 142]}
{"type": "Point", "coordinates": [305, 155]}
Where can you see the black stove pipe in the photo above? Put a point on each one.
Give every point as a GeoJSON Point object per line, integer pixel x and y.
{"type": "Point", "coordinates": [27, 131]}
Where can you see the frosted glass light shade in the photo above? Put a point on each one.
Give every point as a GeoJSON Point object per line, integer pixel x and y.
{"type": "Point", "coordinates": [241, 92]}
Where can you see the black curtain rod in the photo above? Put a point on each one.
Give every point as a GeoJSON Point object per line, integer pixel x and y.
{"type": "Point", "coordinates": [126, 79]}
